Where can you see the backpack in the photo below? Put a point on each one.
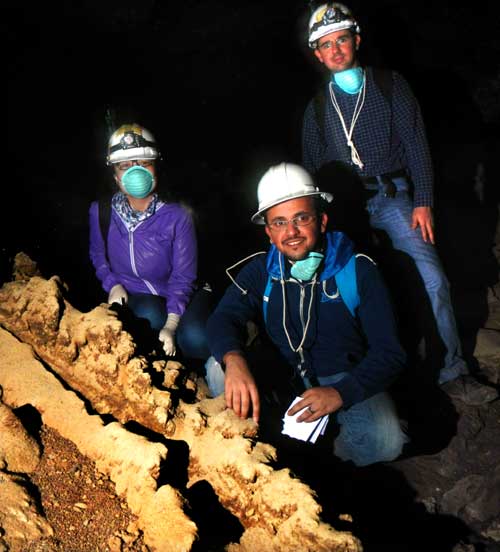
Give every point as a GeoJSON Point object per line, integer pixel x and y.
{"type": "Point", "coordinates": [346, 284]}
{"type": "Point", "coordinates": [104, 208]}
{"type": "Point", "coordinates": [383, 80]}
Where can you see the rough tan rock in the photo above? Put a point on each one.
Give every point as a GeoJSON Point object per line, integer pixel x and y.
{"type": "Point", "coordinates": [277, 510]}
{"type": "Point", "coordinates": [18, 451]}
{"type": "Point", "coordinates": [94, 356]}
{"type": "Point", "coordinates": [487, 351]}
{"type": "Point", "coordinates": [131, 461]}
{"type": "Point", "coordinates": [24, 267]}
{"type": "Point", "coordinates": [20, 521]}
{"type": "Point", "coordinates": [488, 345]}
{"type": "Point", "coordinates": [88, 350]}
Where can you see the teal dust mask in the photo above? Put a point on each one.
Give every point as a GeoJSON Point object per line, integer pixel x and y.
{"type": "Point", "coordinates": [306, 268]}
{"type": "Point", "coordinates": [350, 80]}
{"type": "Point", "coordinates": [137, 182]}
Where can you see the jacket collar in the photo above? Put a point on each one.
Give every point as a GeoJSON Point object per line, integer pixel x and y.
{"type": "Point", "coordinates": [339, 249]}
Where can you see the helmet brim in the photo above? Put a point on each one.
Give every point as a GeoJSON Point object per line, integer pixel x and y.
{"type": "Point", "coordinates": [333, 28]}
{"type": "Point", "coordinates": [258, 217]}
{"type": "Point", "coordinates": [130, 154]}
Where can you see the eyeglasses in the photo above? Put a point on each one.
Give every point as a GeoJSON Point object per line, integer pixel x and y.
{"type": "Point", "coordinates": [338, 43]}
{"type": "Point", "coordinates": [303, 219]}
{"type": "Point", "coordinates": [124, 165]}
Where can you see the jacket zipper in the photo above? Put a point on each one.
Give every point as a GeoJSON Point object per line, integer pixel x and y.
{"type": "Point", "coordinates": [132, 261]}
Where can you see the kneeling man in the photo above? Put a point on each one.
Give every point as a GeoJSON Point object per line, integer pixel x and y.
{"type": "Point", "coordinates": [326, 310]}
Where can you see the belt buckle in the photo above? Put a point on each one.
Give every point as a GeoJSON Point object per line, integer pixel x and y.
{"type": "Point", "coordinates": [389, 187]}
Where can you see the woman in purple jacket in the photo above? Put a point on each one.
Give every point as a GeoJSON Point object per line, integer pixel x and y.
{"type": "Point", "coordinates": [148, 260]}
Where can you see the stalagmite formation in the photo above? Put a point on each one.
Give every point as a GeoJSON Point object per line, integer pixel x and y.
{"type": "Point", "coordinates": [96, 358]}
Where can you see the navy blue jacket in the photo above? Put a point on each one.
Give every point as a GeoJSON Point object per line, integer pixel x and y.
{"type": "Point", "coordinates": [365, 346]}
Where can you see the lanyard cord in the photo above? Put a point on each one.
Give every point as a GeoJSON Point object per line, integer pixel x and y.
{"type": "Point", "coordinates": [306, 327]}
{"type": "Point", "coordinates": [355, 158]}
{"type": "Point", "coordinates": [243, 291]}
{"type": "Point", "coordinates": [282, 281]}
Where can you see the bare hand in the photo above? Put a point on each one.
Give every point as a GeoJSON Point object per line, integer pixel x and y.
{"type": "Point", "coordinates": [240, 388]}
{"type": "Point", "coordinates": [317, 401]}
{"type": "Point", "coordinates": [422, 216]}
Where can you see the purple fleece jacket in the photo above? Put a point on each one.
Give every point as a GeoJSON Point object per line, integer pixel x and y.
{"type": "Point", "coordinates": [159, 256]}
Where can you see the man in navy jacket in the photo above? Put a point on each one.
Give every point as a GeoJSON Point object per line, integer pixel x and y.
{"type": "Point", "coordinates": [345, 359]}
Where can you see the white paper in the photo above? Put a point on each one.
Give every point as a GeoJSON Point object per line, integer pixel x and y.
{"type": "Point", "coordinates": [305, 431]}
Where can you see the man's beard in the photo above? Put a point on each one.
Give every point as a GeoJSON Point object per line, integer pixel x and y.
{"type": "Point", "coordinates": [298, 256]}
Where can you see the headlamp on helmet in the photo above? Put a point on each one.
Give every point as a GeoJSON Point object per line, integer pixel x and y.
{"type": "Point", "coordinates": [131, 142]}
{"type": "Point", "coordinates": [329, 18]}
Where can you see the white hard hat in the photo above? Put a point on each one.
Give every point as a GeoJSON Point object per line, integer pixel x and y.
{"type": "Point", "coordinates": [329, 18]}
{"type": "Point", "coordinates": [129, 142]}
{"type": "Point", "coordinates": [281, 183]}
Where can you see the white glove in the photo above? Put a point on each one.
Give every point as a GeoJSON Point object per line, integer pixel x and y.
{"type": "Point", "coordinates": [118, 295]}
{"type": "Point", "coordinates": [167, 333]}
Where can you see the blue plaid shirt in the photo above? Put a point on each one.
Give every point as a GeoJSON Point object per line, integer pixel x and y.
{"type": "Point", "coordinates": [388, 136]}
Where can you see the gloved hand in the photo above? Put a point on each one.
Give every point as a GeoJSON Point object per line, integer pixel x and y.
{"type": "Point", "coordinates": [118, 294]}
{"type": "Point", "coordinates": [167, 333]}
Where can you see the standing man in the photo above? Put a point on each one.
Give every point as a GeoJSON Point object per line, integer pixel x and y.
{"type": "Point", "coordinates": [369, 120]}
{"type": "Point", "coordinates": [327, 312]}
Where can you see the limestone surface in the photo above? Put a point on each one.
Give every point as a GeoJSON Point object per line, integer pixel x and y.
{"type": "Point", "coordinates": [96, 358]}
{"type": "Point", "coordinates": [19, 452]}
{"type": "Point", "coordinates": [88, 350]}
{"type": "Point", "coordinates": [131, 461]}
{"type": "Point", "coordinates": [20, 521]}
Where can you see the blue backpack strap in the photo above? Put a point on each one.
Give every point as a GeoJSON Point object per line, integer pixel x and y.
{"type": "Point", "coordinates": [346, 282]}
{"type": "Point", "coordinates": [104, 209]}
{"type": "Point", "coordinates": [348, 285]}
{"type": "Point", "coordinates": [265, 297]}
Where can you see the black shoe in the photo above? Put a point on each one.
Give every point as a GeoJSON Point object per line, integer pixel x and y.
{"type": "Point", "coordinates": [469, 391]}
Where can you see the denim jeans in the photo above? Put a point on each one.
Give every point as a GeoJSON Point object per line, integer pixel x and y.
{"type": "Point", "coordinates": [214, 377]}
{"type": "Point", "coordinates": [369, 431]}
{"type": "Point", "coordinates": [393, 216]}
{"type": "Point", "coordinates": [190, 335]}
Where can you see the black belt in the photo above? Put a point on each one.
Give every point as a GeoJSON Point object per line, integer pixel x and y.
{"type": "Point", "coordinates": [384, 182]}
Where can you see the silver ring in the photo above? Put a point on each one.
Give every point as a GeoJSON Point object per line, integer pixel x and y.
{"type": "Point", "coordinates": [310, 410]}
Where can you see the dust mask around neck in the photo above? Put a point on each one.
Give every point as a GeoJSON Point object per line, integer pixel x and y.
{"type": "Point", "coordinates": [350, 80]}
{"type": "Point", "coordinates": [306, 268]}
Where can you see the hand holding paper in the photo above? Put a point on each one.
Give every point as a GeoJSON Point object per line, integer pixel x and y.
{"type": "Point", "coordinates": [305, 431]}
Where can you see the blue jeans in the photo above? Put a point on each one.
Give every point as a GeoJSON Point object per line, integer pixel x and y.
{"type": "Point", "coordinates": [214, 377]}
{"type": "Point", "coordinates": [393, 216]}
{"type": "Point", "coordinates": [190, 335]}
{"type": "Point", "coordinates": [369, 431]}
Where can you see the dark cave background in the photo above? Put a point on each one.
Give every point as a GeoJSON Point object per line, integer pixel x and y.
{"type": "Point", "coordinates": [223, 86]}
